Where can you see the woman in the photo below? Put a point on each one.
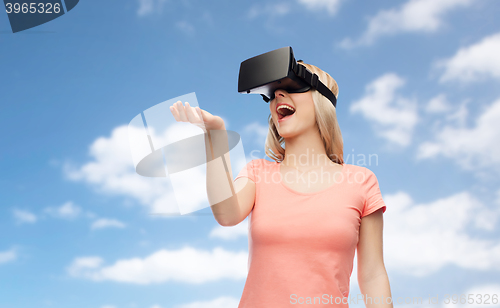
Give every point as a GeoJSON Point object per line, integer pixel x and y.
{"type": "Point", "coordinates": [309, 211]}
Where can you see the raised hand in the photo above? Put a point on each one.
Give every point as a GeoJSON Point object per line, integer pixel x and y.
{"type": "Point", "coordinates": [197, 116]}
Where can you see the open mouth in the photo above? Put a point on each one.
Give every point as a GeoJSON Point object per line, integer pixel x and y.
{"type": "Point", "coordinates": [284, 111]}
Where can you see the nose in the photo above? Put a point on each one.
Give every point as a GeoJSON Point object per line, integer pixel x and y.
{"type": "Point", "coordinates": [279, 93]}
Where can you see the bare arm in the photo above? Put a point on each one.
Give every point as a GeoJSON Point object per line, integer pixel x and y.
{"type": "Point", "coordinates": [233, 210]}
{"type": "Point", "coordinates": [237, 197]}
{"type": "Point", "coordinates": [372, 275]}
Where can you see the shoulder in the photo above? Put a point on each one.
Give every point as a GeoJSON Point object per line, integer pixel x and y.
{"type": "Point", "coordinates": [261, 163]}
{"type": "Point", "coordinates": [357, 168]}
{"type": "Point", "coordinates": [370, 180]}
{"type": "Point", "coordinates": [360, 174]}
{"type": "Point", "coordinates": [358, 171]}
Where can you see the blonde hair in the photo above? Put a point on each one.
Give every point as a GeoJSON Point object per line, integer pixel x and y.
{"type": "Point", "coordinates": [326, 120]}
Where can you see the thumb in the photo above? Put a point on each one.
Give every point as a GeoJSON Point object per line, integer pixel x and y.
{"type": "Point", "coordinates": [200, 113]}
{"type": "Point", "coordinates": [204, 114]}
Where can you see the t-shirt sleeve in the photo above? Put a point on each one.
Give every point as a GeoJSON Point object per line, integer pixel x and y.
{"type": "Point", "coordinates": [373, 197]}
{"type": "Point", "coordinates": [248, 171]}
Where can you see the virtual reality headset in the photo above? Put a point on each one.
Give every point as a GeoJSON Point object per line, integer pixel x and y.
{"type": "Point", "coordinates": [277, 69]}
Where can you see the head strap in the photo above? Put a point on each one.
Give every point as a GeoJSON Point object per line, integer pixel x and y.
{"type": "Point", "coordinates": [313, 81]}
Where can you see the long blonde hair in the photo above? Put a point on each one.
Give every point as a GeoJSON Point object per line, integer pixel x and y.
{"type": "Point", "coordinates": [326, 121]}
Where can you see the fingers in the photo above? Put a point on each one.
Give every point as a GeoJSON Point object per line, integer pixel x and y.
{"type": "Point", "coordinates": [182, 111]}
{"type": "Point", "coordinates": [179, 112]}
{"type": "Point", "coordinates": [200, 114]}
{"type": "Point", "coordinates": [191, 115]}
{"type": "Point", "coordinates": [175, 113]}
{"type": "Point", "coordinates": [186, 113]}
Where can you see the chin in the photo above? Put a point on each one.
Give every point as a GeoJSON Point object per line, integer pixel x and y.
{"type": "Point", "coordinates": [287, 133]}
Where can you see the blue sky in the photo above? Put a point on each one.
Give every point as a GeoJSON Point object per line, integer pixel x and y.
{"type": "Point", "coordinates": [418, 87]}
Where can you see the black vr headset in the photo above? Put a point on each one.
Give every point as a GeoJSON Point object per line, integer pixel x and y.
{"type": "Point", "coordinates": [277, 69]}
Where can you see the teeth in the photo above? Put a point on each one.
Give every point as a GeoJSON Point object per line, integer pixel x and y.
{"type": "Point", "coordinates": [285, 106]}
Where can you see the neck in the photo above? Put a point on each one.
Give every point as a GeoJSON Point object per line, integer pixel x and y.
{"type": "Point", "coordinates": [306, 150]}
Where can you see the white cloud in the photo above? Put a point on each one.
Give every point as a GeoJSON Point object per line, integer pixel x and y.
{"type": "Point", "coordinates": [83, 264]}
{"type": "Point", "coordinates": [220, 302]}
{"type": "Point", "coordinates": [455, 113]}
{"type": "Point", "coordinates": [112, 171]}
{"type": "Point", "coordinates": [330, 6]}
{"type": "Point", "coordinates": [412, 16]}
{"type": "Point", "coordinates": [438, 104]}
{"type": "Point", "coordinates": [470, 147]}
{"type": "Point", "coordinates": [188, 265]}
{"type": "Point", "coordinates": [473, 63]}
{"type": "Point", "coordinates": [258, 130]}
{"type": "Point", "coordinates": [147, 7]}
{"type": "Point", "coordinates": [67, 211]}
{"type": "Point", "coordinates": [393, 116]}
{"type": "Point", "coordinates": [459, 117]}
{"type": "Point", "coordinates": [23, 216]}
{"type": "Point", "coordinates": [107, 223]}
{"type": "Point", "coordinates": [419, 239]}
{"type": "Point", "coordinates": [7, 256]}
{"type": "Point", "coordinates": [230, 233]}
